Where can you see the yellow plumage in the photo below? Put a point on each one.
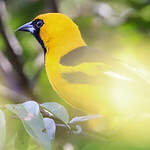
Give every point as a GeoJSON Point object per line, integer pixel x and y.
{"type": "Point", "coordinates": [87, 78]}
{"type": "Point", "coordinates": [91, 80]}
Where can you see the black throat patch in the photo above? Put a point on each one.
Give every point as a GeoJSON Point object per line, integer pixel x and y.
{"type": "Point", "coordinates": [36, 34]}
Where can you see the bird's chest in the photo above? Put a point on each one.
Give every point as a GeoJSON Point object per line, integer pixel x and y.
{"type": "Point", "coordinates": [53, 71]}
{"type": "Point", "coordinates": [74, 94]}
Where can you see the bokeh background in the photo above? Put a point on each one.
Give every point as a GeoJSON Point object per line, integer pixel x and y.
{"type": "Point", "coordinates": [120, 27]}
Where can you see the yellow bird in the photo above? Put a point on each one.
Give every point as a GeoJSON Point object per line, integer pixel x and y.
{"type": "Point", "coordinates": [87, 78]}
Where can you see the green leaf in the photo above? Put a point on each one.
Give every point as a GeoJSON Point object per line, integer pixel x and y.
{"type": "Point", "coordinates": [30, 115]}
{"type": "Point", "coordinates": [57, 110]}
{"type": "Point", "coordinates": [2, 129]}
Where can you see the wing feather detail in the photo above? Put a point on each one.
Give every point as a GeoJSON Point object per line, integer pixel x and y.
{"type": "Point", "coordinates": [86, 55]}
{"type": "Point", "coordinates": [93, 66]}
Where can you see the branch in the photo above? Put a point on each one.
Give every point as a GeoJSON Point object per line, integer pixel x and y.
{"type": "Point", "coordinates": [9, 36]}
{"type": "Point", "coordinates": [12, 95]}
{"type": "Point", "coordinates": [8, 77]}
{"type": "Point", "coordinates": [14, 49]}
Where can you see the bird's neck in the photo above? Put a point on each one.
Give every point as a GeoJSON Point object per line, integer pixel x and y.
{"type": "Point", "coordinates": [61, 45]}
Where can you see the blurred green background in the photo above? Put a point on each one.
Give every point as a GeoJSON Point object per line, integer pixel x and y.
{"type": "Point", "coordinates": [121, 27]}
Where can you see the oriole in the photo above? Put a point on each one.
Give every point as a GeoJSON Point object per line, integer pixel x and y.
{"type": "Point", "coordinates": [87, 78]}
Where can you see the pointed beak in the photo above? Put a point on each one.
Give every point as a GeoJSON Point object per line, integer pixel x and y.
{"type": "Point", "coordinates": [28, 27]}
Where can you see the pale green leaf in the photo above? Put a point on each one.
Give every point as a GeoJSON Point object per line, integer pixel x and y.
{"type": "Point", "coordinates": [30, 115]}
{"type": "Point", "coordinates": [57, 110]}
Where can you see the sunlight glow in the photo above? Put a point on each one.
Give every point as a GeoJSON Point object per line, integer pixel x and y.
{"type": "Point", "coordinates": [115, 75]}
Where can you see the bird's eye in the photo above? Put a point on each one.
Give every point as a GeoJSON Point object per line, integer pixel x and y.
{"type": "Point", "coordinates": [39, 23]}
